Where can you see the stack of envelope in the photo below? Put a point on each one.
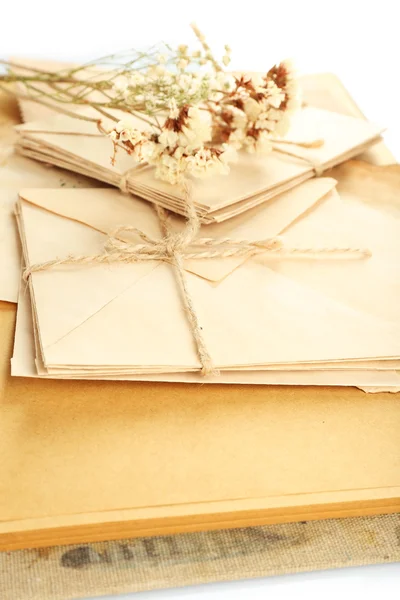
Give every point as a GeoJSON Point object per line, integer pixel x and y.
{"type": "Point", "coordinates": [274, 318]}
{"type": "Point", "coordinates": [122, 459]}
{"type": "Point", "coordinates": [270, 319]}
{"type": "Point", "coordinates": [77, 145]}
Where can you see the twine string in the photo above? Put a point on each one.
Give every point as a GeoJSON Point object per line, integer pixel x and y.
{"type": "Point", "coordinates": [176, 247]}
{"type": "Point", "coordinates": [317, 167]}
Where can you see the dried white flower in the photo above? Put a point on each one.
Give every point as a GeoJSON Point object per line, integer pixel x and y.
{"type": "Point", "coordinates": [173, 109]}
{"type": "Point", "coordinates": [121, 85]}
{"type": "Point", "coordinates": [183, 63]}
{"type": "Point", "coordinates": [168, 138]}
{"type": "Point", "coordinates": [126, 131]}
{"type": "Point", "coordinates": [210, 114]}
{"type": "Point", "coordinates": [258, 80]}
{"type": "Point", "coordinates": [240, 118]}
{"type": "Point", "coordinates": [236, 138]}
{"type": "Point", "coordinates": [252, 108]}
{"type": "Point", "coordinates": [136, 78]}
{"type": "Point", "coordinates": [282, 126]}
{"type": "Point", "coordinates": [258, 145]}
{"type": "Point", "coordinates": [170, 168]}
{"type": "Point", "coordinates": [274, 95]}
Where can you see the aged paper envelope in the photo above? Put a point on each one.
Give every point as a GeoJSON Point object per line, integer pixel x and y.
{"type": "Point", "coordinates": [26, 363]}
{"type": "Point", "coordinates": [371, 286]}
{"type": "Point", "coordinates": [325, 90]}
{"type": "Point", "coordinates": [84, 315]}
{"type": "Point", "coordinates": [17, 172]}
{"type": "Point", "coordinates": [77, 145]}
{"type": "Point", "coordinates": [105, 210]}
{"type": "Point", "coordinates": [10, 257]}
{"type": "Point", "coordinates": [77, 432]}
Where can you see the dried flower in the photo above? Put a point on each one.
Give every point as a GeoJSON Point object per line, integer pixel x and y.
{"type": "Point", "coordinates": [197, 115]}
{"type": "Point", "coordinates": [183, 63]}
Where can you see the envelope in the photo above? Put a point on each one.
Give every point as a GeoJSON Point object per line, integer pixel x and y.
{"type": "Point", "coordinates": [26, 362]}
{"type": "Point", "coordinates": [10, 257]}
{"type": "Point", "coordinates": [77, 145]}
{"type": "Point", "coordinates": [326, 90]}
{"type": "Point", "coordinates": [321, 90]}
{"type": "Point", "coordinates": [84, 315]}
{"type": "Point", "coordinates": [371, 286]}
{"type": "Point", "coordinates": [15, 173]}
{"type": "Point", "coordinates": [106, 210]}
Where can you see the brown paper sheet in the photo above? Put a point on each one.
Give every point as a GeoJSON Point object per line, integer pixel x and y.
{"type": "Point", "coordinates": [83, 460]}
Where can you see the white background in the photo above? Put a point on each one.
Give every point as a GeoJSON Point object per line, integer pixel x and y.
{"type": "Point", "coordinates": [356, 39]}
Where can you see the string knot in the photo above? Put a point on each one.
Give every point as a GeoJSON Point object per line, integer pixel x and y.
{"type": "Point", "coordinates": [173, 245]}
{"type": "Point", "coordinates": [175, 248]}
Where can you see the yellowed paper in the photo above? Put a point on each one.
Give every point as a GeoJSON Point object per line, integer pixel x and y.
{"type": "Point", "coordinates": [106, 210]}
{"type": "Point", "coordinates": [17, 172]}
{"type": "Point", "coordinates": [78, 145]}
{"type": "Point", "coordinates": [83, 313]}
{"type": "Point", "coordinates": [24, 364]}
{"type": "Point", "coordinates": [98, 445]}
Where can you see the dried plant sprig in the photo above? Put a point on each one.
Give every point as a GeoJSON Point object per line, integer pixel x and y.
{"type": "Point", "coordinates": [183, 113]}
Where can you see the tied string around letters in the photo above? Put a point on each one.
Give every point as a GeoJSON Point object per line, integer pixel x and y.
{"type": "Point", "coordinates": [176, 247]}
{"type": "Point", "coordinates": [317, 167]}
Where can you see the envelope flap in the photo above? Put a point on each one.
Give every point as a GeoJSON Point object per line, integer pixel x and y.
{"type": "Point", "coordinates": [341, 135]}
{"type": "Point", "coordinates": [68, 295]}
{"type": "Point", "coordinates": [106, 209]}
{"type": "Point", "coordinates": [82, 139]}
{"type": "Point", "coordinates": [102, 209]}
{"type": "Point", "coordinates": [371, 285]}
{"type": "Point", "coordinates": [267, 220]}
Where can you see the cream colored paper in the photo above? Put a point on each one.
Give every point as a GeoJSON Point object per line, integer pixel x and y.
{"type": "Point", "coordinates": [10, 257]}
{"type": "Point", "coordinates": [325, 90]}
{"type": "Point", "coordinates": [16, 172]}
{"type": "Point", "coordinates": [371, 286]}
{"type": "Point", "coordinates": [23, 364]}
{"type": "Point", "coordinates": [106, 210]}
{"type": "Point", "coordinates": [89, 316]}
{"type": "Point", "coordinates": [77, 144]}
{"type": "Point", "coordinates": [83, 435]}
{"type": "Point", "coordinates": [321, 90]}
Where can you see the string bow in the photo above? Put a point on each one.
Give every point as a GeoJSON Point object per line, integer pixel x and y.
{"type": "Point", "coordinates": [177, 247]}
